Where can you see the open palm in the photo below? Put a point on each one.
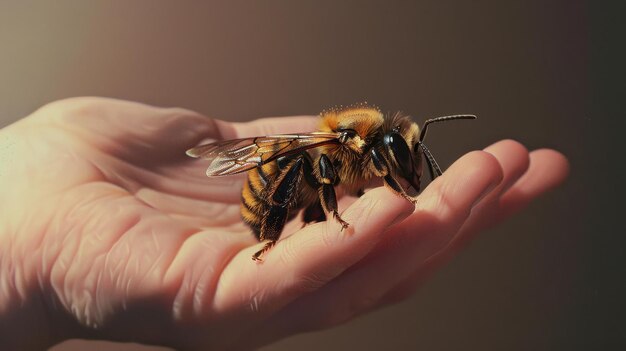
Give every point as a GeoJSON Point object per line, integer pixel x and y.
{"type": "Point", "coordinates": [116, 234]}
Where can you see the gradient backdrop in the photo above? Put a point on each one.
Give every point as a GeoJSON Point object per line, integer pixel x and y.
{"type": "Point", "coordinates": [538, 282]}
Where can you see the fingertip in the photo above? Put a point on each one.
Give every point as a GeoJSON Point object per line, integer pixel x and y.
{"type": "Point", "coordinates": [557, 161]}
{"type": "Point", "coordinates": [507, 144]}
{"type": "Point", "coordinates": [548, 168]}
{"type": "Point", "coordinates": [514, 160]}
{"type": "Point", "coordinates": [510, 152]}
{"type": "Point", "coordinates": [487, 174]}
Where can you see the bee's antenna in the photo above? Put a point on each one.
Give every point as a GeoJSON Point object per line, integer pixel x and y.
{"type": "Point", "coordinates": [433, 166]}
{"type": "Point", "coordinates": [441, 119]}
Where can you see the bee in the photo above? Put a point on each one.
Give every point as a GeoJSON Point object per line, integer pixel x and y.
{"type": "Point", "coordinates": [291, 172]}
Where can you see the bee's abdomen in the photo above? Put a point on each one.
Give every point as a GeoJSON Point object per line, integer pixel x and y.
{"type": "Point", "coordinates": [254, 199]}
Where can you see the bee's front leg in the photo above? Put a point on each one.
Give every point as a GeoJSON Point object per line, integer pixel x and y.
{"type": "Point", "coordinates": [382, 170]}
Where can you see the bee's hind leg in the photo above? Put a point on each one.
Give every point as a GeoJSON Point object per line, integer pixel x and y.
{"type": "Point", "coordinates": [281, 200]}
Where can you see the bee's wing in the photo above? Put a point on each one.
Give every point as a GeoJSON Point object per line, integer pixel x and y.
{"type": "Point", "coordinates": [240, 155]}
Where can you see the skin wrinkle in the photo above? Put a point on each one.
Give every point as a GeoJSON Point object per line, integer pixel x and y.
{"type": "Point", "coordinates": [178, 282]}
{"type": "Point", "coordinates": [225, 261]}
{"type": "Point", "coordinates": [30, 252]}
{"type": "Point", "coordinates": [288, 254]}
{"type": "Point", "coordinates": [217, 214]}
{"type": "Point", "coordinates": [107, 257]}
{"type": "Point", "coordinates": [61, 287]}
{"type": "Point", "coordinates": [56, 263]}
{"type": "Point", "coordinates": [84, 206]}
{"type": "Point", "coordinates": [153, 264]}
{"type": "Point", "coordinates": [201, 290]}
{"type": "Point", "coordinates": [43, 250]}
{"type": "Point", "coordinates": [199, 295]}
{"type": "Point", "coordinates": [219, 297]}
{"type": "Point", "coordinates": [166, 261]}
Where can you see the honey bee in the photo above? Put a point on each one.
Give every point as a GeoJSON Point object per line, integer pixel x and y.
{"type": "Point", "coordinates": [290, 172]}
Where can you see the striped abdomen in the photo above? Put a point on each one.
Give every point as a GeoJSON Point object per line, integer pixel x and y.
{"type": "Point", "coordinates": [259, 203]}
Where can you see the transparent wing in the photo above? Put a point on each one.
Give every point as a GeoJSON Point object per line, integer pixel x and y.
{"type": "Point", "coordinates": [240, 155]}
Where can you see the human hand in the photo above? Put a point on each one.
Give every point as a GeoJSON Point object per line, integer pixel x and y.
{"type": "Point", "coordinates": [109, 231]}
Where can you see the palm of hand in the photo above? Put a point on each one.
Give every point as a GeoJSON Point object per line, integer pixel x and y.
{"type": "Point", "coordinates": [122, 225]}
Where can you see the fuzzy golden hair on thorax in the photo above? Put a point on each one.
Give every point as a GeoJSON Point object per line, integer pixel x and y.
{"type": "Point", "coordinates": [362, 118]}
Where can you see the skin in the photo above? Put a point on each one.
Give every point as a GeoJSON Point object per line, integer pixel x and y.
{"type": "Point", "coordinates": [108, 231]}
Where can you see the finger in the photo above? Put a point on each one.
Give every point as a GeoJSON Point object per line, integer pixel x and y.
{"type": "Point", "coordinates": [406, 245]}
{"type": "Point", "coordinates": [514, 159]}
{"type": "Point", "coordinates": [548, 168]}
{"type": "Point", "coordinates": [276, 125]}
{"type": "Point", "coordinates": [308, 259]}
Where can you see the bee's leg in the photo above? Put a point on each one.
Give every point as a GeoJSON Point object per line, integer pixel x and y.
{"type": "Point", "coordinates": [329, 179]}
{"type": "Point", "coordinates": [314, 212]}
{"type": "Point", "coordinates": [258, 254]}
{"type": "Point", "coordinates": [282, 197]}
{"type": "Point", "coordinates": [382, 170]}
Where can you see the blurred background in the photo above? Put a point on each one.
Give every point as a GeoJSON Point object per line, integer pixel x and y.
{"type": "Point", "coordinates": [551, 278]}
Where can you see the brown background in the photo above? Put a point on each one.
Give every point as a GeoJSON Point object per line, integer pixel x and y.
{"type": "Point", "coordinates": [545, 280]}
